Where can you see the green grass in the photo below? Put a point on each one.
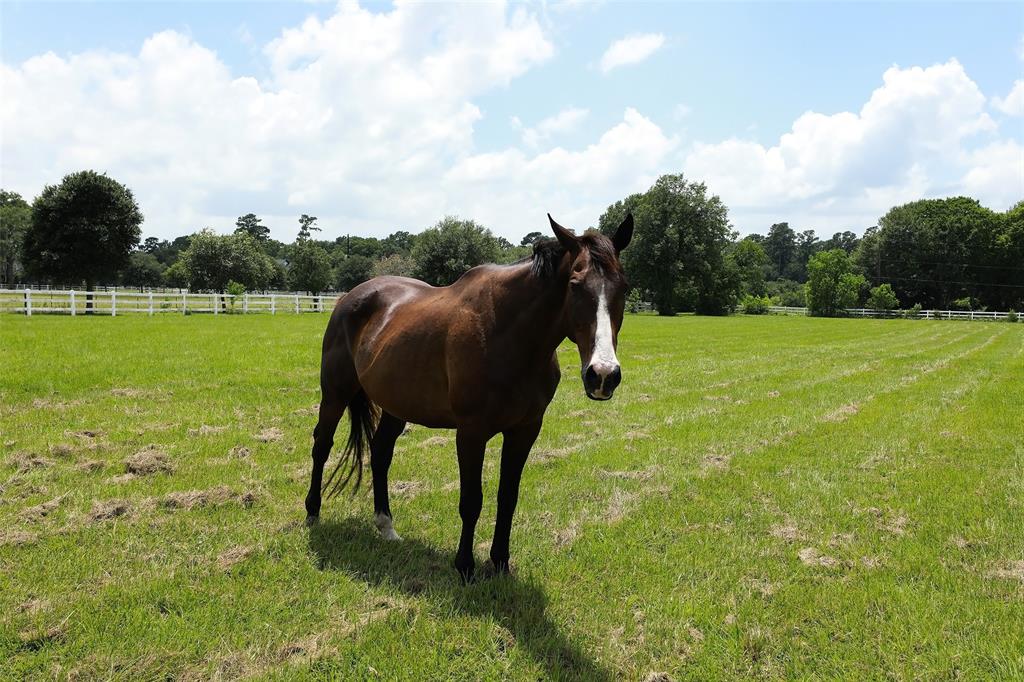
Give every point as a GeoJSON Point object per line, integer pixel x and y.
{"type": "Point", "coordinates": [765, 497]}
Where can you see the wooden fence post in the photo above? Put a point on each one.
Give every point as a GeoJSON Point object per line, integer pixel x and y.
{"type": "Point", "coordinates": [151, 304]}
{"type": "Point", "coordinates": [296, 304]}
{"type": "Point", "coordinates": [216, 303]}
{"type": "Point", "coordinates": [73, 303]}
{"type": "Point", "coordinates": [273, 304]}
{"type": "Point", "coordinates": [113, 303]}
{"type": "Point", "coordinates": [245, 302]}
{"type": "Point", "coordinates": [28, 302]}
{"type": "Point", "coordinates": [184, 303]}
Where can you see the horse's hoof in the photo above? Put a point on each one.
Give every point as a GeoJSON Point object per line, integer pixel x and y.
{"type": "Point", "coordinates": [312, 521]}
{"type": "Point", "coordinates": [466, 573]}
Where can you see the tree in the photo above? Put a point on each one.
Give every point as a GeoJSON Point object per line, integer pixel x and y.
{"type": "Point", "coordinates": [353, 271]}
{"type": "Point", "coordinates": [780, 245]}
{"type": "Point", "coordinates": [399, 242]}
{"type": "Point", "coordinates": [212, 260]}
{"type": "Point", "coordinates": [252, 226]}
{"type": "Point", "coordinates": [307, 225]}
{"type": "Point", "coordinates": [310, 268]}
{"type": "Point", "coordinates": [143, 270]}
{"type": "Point", "coordinates": [15, 220]}
{"type": "Point", "coordinates": [396, 264]}
{"type": "Point", "coordinates": [750, 261]}
{"type": "Point", "coordinates": [449, 248]}
{"type": "Point", "coordinates": [935, 251]}
{"type": "Point", "coordinates": [82, 230]}
{"type": "Point", "coordinates": [531, 238]}
{"type": "Point", "coordinates": [846, 240]}
{"type": "Point", "coordinates": [831, 285]}
{"type": "Point", "coordinates": [151, 245]}
{"type": "Point", "coordinates": [351, 245]}
{"type": "Point", "coordinates": [677, 252]}
{"type": "Point", "coordinates": [807, 244]}
{"type": "Point", "coordinates": [883, 298]}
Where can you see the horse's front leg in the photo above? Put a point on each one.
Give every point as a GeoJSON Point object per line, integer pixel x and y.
{"type": "Point", "coordinates": [514, 451]}
{"type": "Point", "coordinates": [470, 449]}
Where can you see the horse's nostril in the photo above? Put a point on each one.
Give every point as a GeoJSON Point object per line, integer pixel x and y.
{"type": "Point", "coordinates": [613, 380]}
{"type": "Point", "coordinates": [590, 378]}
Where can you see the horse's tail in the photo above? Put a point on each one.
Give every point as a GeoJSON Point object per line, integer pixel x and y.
{"type": "Point", "coordinates": [364, 415]}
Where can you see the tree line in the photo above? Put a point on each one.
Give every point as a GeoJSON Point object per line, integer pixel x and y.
{"type": "Point", "coordinates": [685, 256]}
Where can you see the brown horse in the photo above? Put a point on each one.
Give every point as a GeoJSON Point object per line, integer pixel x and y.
{"type": "Point", "coordinates": [477, 356]}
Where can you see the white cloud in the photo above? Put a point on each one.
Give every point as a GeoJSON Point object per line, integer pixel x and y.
{"type": "Point", "coordinates": [564, 121]}
{"type": "Point", "coordinates": [362, 113]}
{"type": "Point", "coordinates": [632, 49]}
{"type": "Point", "coordinates": [910, 139]}
{"type": "Point", "coordinates": [1013, 103]}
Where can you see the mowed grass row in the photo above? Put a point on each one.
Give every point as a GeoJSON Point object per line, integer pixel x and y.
{"type": "Point", "coordinates": [764, 497]}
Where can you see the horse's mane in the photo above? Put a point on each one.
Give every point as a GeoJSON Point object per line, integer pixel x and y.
{"type": "Point", "coordinates": [547, 254]}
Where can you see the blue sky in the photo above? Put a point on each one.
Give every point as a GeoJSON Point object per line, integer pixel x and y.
{"type": "Point", "coordinates": [908, 100]}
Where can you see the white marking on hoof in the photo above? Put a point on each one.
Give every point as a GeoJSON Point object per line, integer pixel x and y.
{"type": "Point", "coordinates": [387, 531]}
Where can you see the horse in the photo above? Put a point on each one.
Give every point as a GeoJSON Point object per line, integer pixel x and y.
{"type": "Point", "coordinates": [478, 356]}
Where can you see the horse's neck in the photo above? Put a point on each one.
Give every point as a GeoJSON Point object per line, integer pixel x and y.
{"type": "Point", "coordinates": [532, 308]}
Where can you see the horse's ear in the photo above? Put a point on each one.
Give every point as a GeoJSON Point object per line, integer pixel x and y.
{"type": "Point", "coordinates": [624, 233]}
{"type": "Point", "coordinates": [565, 237]}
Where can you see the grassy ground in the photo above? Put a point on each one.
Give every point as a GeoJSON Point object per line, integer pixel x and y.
{"type": "Point", "coordinates": [765, 497]}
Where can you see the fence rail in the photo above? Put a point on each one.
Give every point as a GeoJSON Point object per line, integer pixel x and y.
{"type": "Point", "coordinates": [920, 315]}
{"type": "Point", "coordinates": [113, 303]}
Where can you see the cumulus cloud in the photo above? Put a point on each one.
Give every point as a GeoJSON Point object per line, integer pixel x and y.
{"type": "Point", "coordinates": [564, 121]}
{"type": "Point", "coordinates": [1013, 103]}
{"type": "Point", "coordinates": [632, 49]}
{"type": "Point", "coordinates": [362, 112]}
{"type": "Point", "coordinates": [910, 139]}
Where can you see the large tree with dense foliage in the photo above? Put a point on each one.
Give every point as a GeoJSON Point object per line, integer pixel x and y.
{"type": "Point", "coordinates": [832, 286]}
{"type": "Point", "coordinates": [678, 248]}
{"type": "Point", "coordinates": [309, 268]}
{"type": "Point", "coordinates": [935, 251]}
{"type": "Point", "coordinates": [449, 248]}
{"type": "Point", "coordinates": [15, 220]}
{"type": "Point", "coordinates": [82, 230]}
{"type": "Point", "coordinates": [750, 261]}
{"type": "Point", "coordinates": [212, 260]}
{"type": "Point", "coordinates": [143, 270]}
{"type": "Point", "coordinates": [353, 271]}
{"type": "Point", "coordinates": [780, 245]}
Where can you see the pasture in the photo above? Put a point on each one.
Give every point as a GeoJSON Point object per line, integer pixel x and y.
{"type": "Point", "coordinates": [764, 497]}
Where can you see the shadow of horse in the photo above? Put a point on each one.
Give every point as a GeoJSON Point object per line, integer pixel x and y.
{"type": "Point", "coordinates": [354, 546]}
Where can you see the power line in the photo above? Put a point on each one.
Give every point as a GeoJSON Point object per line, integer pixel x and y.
{"type": "Point", "coordinates": [949, 281]}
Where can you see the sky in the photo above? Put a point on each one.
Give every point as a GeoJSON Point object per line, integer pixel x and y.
{"type": "Point", "coordinates": [378, 117]}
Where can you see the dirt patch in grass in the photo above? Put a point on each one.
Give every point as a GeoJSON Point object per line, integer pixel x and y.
{"type": "Point", "coordinates": [270, 435]}
{"type": "Point", "coordinates": [1011, 570]}
{"type": "Point", "coordinates": [17, 538]}
{"type": "Point", "coordinates": [548, 455]}
{"type": "Point", "coordinates": [787, 532]}
{"type": "Point", "coordinates": [62, 450]}
{"type": "Point", "coordinates": [36, 638]}
{"type": "Point", "coordinates": [104, 510]}
{"type": "Point", "coordinates": [90, 465]}
{"type": "Point", "coordinates": [773, 394]}
{"type": "Point", "coordinates": [129, 392]}
{"type": "Point", "coordinates": [618, 506]}
{"type": "Point", "coordinates": [85, 434]}
{"type": "Point", "coordinates": [214, 497]}
{"type": "Point", "coordinates": [896, 525]}
{"type": "Point", "coordinates": [715, 461]}
{"type": "Point", "coordinates": [635, 475]}
{"type": "Point", "coordinates": [841, 414]}
{"type": "Point", "coordinates": [205, 430]}
{"type": "Point", "coordinates": [41, 511]}
{"type": "Point", "coordinates": [240, 452]}
{"type": "Point", "coordinates": [658, 677]}
{"type": "Point", "coordinates": [26, 461]}
{"type": "Point", "coordinates": [33, 606]}
{"type": "Point", "coordinates": [407, 489]}
{"type": "Point", "coordinates": [564, 537]}
{"type": "Point", "coordinates": [809, 556]}
{"type": "Point", "coordinates": [149, 460]}
{"type": "Point", "coordinates": [233, 556]}
{"type": "Point", "coordinates": [311, 411]}
{"type": "Point", "coordinates": [436, 441]}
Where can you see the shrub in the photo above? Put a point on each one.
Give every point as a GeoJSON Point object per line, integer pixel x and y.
{"type": "Point", "coordinates": [1012, 316]}
{"type": "Point", "coordinates": [633, 301]}
{"type": "Point", "coordinates": [883, 298]}
{"type": "Point", "coordinates": [755, 305]}
{"type": "Point", "coordinates": [913, 312]}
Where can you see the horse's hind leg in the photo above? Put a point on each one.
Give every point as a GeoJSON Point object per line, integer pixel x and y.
{"type": "Point", "coordinates": [331, 410]}
{"type": "Point", "coordinates": [382, 448]}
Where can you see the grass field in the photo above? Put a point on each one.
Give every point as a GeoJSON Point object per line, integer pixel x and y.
{"type": "Point", "coordinates": [764, 497]}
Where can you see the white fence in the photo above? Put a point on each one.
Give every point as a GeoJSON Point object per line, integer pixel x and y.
{"type": "Point", "coordinates": [921, 315]}
{"type": "Point", "coordinates": [34, 302]}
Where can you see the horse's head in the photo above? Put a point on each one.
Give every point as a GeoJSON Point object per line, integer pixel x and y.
{"type": "Point", "coordinates": [595, 303]}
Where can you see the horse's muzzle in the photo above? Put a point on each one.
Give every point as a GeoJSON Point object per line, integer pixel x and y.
{"type": "Point", "coordinates": [600, 382]}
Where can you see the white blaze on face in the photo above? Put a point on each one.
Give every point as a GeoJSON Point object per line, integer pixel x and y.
{"type": "Point", "coordinates": [603, 359]}
{"type": "Point", "coordinates": [387, 531]}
